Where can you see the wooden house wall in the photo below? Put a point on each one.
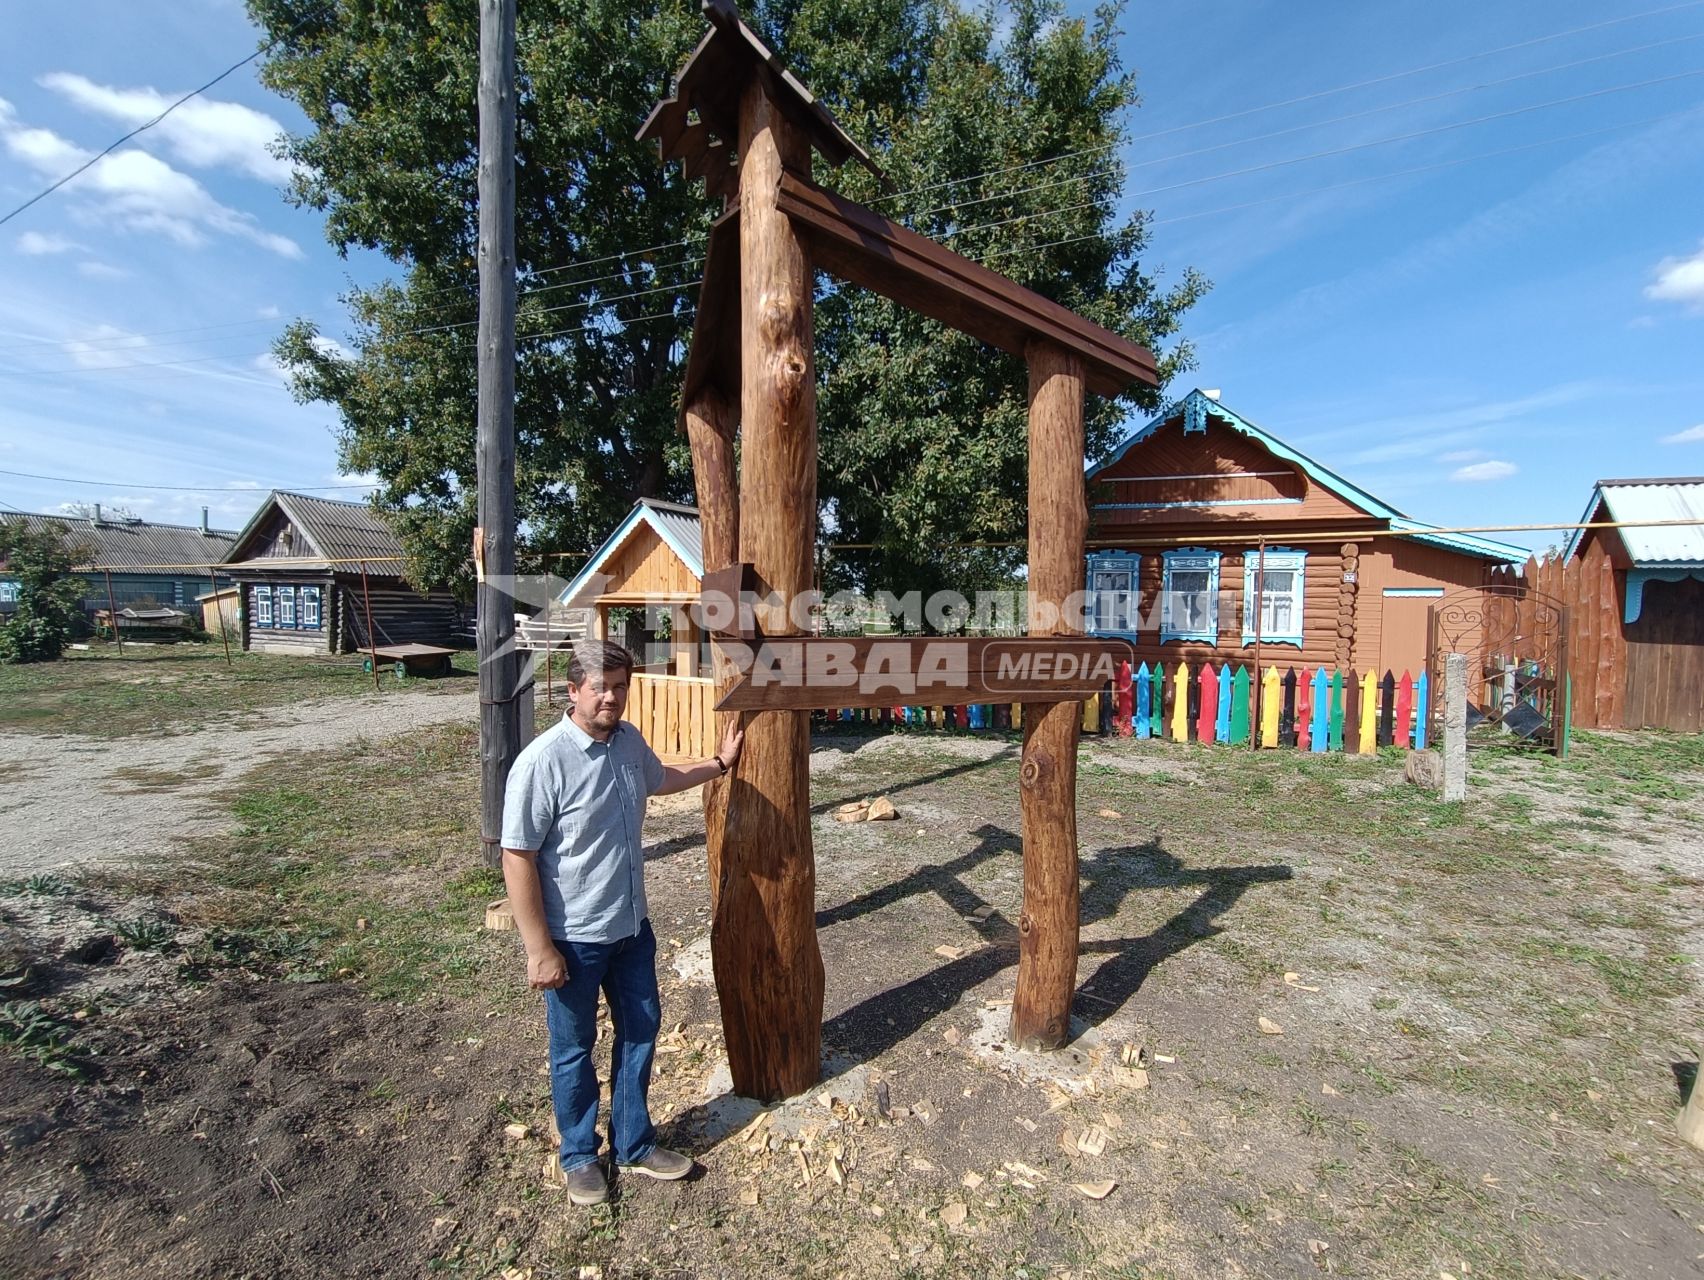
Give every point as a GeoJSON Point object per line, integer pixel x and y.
{"type": "Point", "coordinates": [269, 541]}
{"type": "Point", "coordinates": [1169, 466]}
{"type": "Point", "coordinates": [1390, 631]}
{"type": "Point", "coordinates": [288, 640]}
{"type": "Point", "coordinates": [400, 614]}
{"type": "Point", "coordinates": [1322, 578]}
{"type": "Point", "coordinates": [645, 565]}
{"type": "Point", "coordinates": [1665, 658]}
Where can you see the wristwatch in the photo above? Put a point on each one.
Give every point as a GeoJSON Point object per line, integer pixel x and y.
{"type": "Point", "coordinates": [721, 763]}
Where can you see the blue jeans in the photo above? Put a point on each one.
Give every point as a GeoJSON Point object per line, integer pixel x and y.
{"type": "Point", "coordinates": [626, 972]}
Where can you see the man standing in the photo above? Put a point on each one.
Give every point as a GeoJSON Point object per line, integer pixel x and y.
{"type": "Point", "coordinates": [575, 873]}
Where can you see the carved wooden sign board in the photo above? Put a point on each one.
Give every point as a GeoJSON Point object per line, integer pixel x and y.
{"type": "Point", "coordinates": [808, 673]}
{"type": "Point", "coordinates": [739, 120]}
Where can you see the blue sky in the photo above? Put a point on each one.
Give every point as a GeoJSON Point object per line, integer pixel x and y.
{"type": "Point", "coordinates": [1473, 318]}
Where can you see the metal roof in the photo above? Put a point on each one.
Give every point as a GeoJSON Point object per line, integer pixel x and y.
{"type": "Point", "coordinates": [334, 530]}
{"type": "Point", "coordinates": [1198, 405]}
{"type": "Point", "coordinates": [1630, 501]}
{"type": "Point", "coordinates": [675, 523]}
{"type": "Point", "coordinates": [134, 546]}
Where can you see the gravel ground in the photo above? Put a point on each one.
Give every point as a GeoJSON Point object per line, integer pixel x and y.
{"type": "Point", "coordinates": [72, 801]}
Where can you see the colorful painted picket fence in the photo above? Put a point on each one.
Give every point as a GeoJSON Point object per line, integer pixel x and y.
{"type": "Point", "coordinates": [1308, 709]}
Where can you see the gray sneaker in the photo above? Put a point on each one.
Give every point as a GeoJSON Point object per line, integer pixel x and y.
{"type": "Point", "coordinates": [662, 1164]}
{"type": "Point", "coordinates": [587, 1184]}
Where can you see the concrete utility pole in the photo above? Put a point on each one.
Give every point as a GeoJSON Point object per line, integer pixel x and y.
{"type": "Point", "coordinates": [494, 544]}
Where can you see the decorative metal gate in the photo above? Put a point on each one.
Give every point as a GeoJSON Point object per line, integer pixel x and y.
{"type": "Point", "coordinates": [1515, 640]}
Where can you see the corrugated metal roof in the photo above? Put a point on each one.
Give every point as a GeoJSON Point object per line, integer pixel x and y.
{"type": "Point", "coordinates": [334, 530]}
{"type": "Point", "coordinates": [120, 546]}
{"type": "Point", "coordinates": [681, 530]}
{"type": "Point", "coordinates": [1630, 501]}
{"type": "Point", "coordinates": [341, 530]}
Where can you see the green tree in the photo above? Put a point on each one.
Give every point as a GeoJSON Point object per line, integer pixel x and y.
{"type": "Point", "coordinates": [50, 600]}
{"type": "Point", "coordinates": [1005, 143]}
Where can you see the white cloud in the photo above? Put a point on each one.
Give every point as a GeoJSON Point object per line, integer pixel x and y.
{"type": "Point", "coordinates": [202, 132]}
{"type": "Point", "coordinates": [105, 347]}
{"type": "Point", "coordinates": [1478, 472]}
{"type": "Point", "coordinates": [1679, 280]}
{"type": "Point", "coordinates": [136, 190]}
{"type": "Point", "coordinates": [1692, 435]}
{"type": "Point", "coordinates": [37, 244]}
{"type": "Point", "coordinates": [101, 271]}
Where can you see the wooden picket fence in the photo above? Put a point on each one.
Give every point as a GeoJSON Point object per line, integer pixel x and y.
{"type": "Point", "coordinates": [1318, 710]}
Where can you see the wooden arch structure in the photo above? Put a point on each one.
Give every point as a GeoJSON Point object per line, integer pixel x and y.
{"type": "Point", "coordinates": [745, 125]}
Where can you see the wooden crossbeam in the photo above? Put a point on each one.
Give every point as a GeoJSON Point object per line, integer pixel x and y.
{"type": "Point", "coordinates": [869, 250]}
{"type": "Point", "coordinates": [803, 673]}
{"type": "Point", "coordinates": [713, 358]}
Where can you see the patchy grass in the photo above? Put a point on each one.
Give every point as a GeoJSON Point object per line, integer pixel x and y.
{"type": "Point", "coordinates": [360, 872]}
{"type": "Point", "coordinates": [1480, 1008]}
{"type": "Point", "coordinates": [175, 688]}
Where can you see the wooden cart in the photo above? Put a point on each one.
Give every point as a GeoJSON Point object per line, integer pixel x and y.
{"type": "Point", "coordinates": [409, 659]}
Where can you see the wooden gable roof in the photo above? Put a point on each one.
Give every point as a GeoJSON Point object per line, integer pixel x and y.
{"type": "Point", "coordinates": [1254, 470]}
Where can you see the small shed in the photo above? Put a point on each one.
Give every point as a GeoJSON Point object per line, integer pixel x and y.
{"type": "Point", "coordinates": [654, 561]}
{"type": "Point", "coordinates": [1657, 599]}
{"type": "Point", "coordinates": [313, 570]}
{"type": "Point", "coordinates": [221, 610]}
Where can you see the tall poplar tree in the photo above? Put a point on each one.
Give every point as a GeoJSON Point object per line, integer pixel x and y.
{"type": "Point", "coordinates": [1002, 131]}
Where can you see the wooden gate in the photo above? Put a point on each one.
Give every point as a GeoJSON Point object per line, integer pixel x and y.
{"type": "Point", "coordinates": [1516, 643]}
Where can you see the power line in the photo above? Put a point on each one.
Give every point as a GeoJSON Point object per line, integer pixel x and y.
{"type": "Point", "coordinates": [184, 488]}
{"type": "Point", "coordinates": [120, 341]}
{"type": "Point", "coordinates": [1425, 168]}
{"type": "Point", "coordinates": [149, 124]}
{"type": "Point", "coordinates": [1416, 71]}
{"type": "Point", "coordinates": [1414, 102]}
{"type": "Point", "coordinates": [1418, 133]}
{"type": "Point", "coordinates": [1309, 97]}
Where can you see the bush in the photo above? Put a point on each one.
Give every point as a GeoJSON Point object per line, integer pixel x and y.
{"type": "Point", "coordinates": [50, 599]}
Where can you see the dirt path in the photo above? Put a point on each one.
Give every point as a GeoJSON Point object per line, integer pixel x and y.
{"type": "Point", "coordinates": [75, 801]}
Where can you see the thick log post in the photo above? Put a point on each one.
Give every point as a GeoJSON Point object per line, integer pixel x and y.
{"type": "Point", "coordinates": [763, 930]}
{"type": "Point", "coordinates": [1058, 524]}
{"type": "Point", "coordinates": [710, 429]}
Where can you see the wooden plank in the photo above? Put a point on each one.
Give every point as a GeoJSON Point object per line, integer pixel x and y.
{"type": "Point", "coordinates": [824, 672]}
{"type": "Point", "coordinates": [713, 355]}
{"type": "Point", "coordinates": [1239, 706]}
{"type": "Point", "coordinates": [1271, 694]}
{"type": "Point", "coordinates": [869, 250]}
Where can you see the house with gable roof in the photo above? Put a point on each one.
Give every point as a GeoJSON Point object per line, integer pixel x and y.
{"type": "Point", "coordinates": [1179, 517]}
{"type": "Point", "coordinates": [312, 571]}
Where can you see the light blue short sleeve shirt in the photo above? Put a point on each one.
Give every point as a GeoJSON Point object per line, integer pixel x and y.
{"type": "Point", "coordinates": [580, 804]}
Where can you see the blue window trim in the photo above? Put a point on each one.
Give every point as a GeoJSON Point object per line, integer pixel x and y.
{"type": "Point", "coordinates": [1634, 603]}
{"type": "Point", "coordinates": [281, 596]}
{"type": "Point", "coordinates": [305, 595]}
{"type": "Point", "coordinates": [263, 606]}
{"type": "Point", "coordinates": [1190, 558]}
{"type": "Point", "coordinates": [1114, 562]}
{"type": "Point", "coordinates": [1284, 558]}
